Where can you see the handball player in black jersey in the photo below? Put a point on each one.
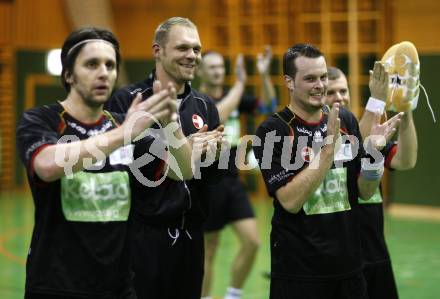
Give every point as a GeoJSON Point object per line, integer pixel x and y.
{"type": "Point", "coordinates": [315, 178]}
{"type": "Point", "coordinates": [76, 156]}
{"type": "Point", "coordinates": [400, 155]}
{"type": "Point", "coordinates": [166, 222]}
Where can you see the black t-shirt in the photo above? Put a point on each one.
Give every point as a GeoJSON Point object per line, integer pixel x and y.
{"type": "Point", "coordinates": [170, 203]}
{"type": "Point", "coordinates": [374, 248]}
{"type": "Point", "coordinates": [248, 104]}
{"type": "Point", "coordinates": [322, 240]}
{"type": "Point", "coordinates": [79, 242]}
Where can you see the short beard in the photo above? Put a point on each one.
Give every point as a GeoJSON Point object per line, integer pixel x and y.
{"type": "Point", "coordinates": [87, 99]}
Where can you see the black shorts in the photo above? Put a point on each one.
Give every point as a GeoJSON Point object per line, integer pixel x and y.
{"type": "Point", "coordinates": [167, 263]}
{"type": "Point", "coordinates": [127, 293]}
{"type": "Point", "coordinates": [228, 202]}
{"type": "Point", "coordinates": [380, 281]}
{"type": "Point", "coordinates": [349, 288]}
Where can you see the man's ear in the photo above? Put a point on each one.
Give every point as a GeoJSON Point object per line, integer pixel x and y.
{"type": "Point", "coordinates": [290, 84]}
{"type": "Point", "coordinates": [156, 51]}
{"type": "Point", "coordinates": [68, 77]}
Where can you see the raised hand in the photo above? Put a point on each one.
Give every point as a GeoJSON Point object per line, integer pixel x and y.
{"type": "Point", "coordinates": [157, 87]}
{"type": "Point", "coordinates": [382, 133]}
{"type": "Point", "coordinates": [206, 142]}
{"type": "Point", "coordinates": [379, 81]}
{"type": "Point", "coordinates": [264, 60]}
{"type": "Point", "coordinates": [333, 127]}
{"type": "Point", "coordinates": [240, 70]}
{"type": "Point", "coordinates": [142, 114]}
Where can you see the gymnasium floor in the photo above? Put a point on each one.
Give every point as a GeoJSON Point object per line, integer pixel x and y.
{"type": "Point", "coordinates": [414, 247]}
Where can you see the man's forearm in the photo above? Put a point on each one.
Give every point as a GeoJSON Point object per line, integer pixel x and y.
{"type": "Point", "coordinates": [182, 156]}
{"type": "Point", "coordinates": [294, 194]}
{"type": "Point", "coordinates": [369, 177]}
{"type": "Point", "coordinates": [406, 155]}
{"type": "Point", "coordinates": [230, 102]}
{"type": "Point", "coordinates": [268, 91]}
{"type": "Point", "coordinates": [366, 123]}
{"type": "Point", "coordinates": [54, 161]}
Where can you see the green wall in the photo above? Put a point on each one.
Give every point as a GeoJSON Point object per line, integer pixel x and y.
{"type": "Point", "coordinates": [420, 185]}
{"type": "Point", "coordinates": [31, 63]}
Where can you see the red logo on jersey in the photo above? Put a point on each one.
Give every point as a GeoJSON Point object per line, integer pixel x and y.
{"type": "Point", "coordinates": [197, 121]}
{"type": "Point", "coordinates": [307, 154]}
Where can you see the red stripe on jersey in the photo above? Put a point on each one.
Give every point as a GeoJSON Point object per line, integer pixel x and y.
{"type": "Point", "coordinates": [302, 121]}
{"type": "Point", "coordinates": [390, 156]}
{"type": "Point", "coordinates": [160, 169]}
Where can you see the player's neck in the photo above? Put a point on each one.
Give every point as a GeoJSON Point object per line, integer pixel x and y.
{"type": "Point", "coordinates": [214, 91]}
{"type": "Point", "coordinates": [164, 79]}
{"type": "Point", "coordinates": [309, 115]}
{"type": "Point", "coordinates": [81, 110]}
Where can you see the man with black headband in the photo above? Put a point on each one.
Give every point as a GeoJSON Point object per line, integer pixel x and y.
{"type": "Point", "coordinates": [76, 156]}
{"type": "Point", "coordinates": [315, 178]}
{"type": "Point", "coordinates": [168, 210]}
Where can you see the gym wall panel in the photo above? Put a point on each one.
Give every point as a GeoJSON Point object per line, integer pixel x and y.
{"type": "Point", "coordinates": [417, 21]}
{"type": "Point", "coordinates": [40, 24]}
{"type": "Point", "coordinates": [421, 184]}
{"type": "Point", "coordinates": [27, 64]}
{"type": "Point", "coordinates": [6, 30]}
{"type": "Point", "coordinates": [136, 21]}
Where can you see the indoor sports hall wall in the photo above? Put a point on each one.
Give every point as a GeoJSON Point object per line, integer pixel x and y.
{"type": "Point", "coordinates": [421, 184]}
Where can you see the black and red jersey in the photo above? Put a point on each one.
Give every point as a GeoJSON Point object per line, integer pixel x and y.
{"type": "Point", "coordinates": [171, 203]}
{"type": "Point", "coordinates": [322, 240]}
{"type": "Point", "coordinates": [79, 243]}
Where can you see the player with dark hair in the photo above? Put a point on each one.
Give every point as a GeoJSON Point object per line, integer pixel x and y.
{"type": "Point", "coordinates": [400, 155]}
{"type": "Point", "coordinates": [310, 158]}
{"type": "Point", "coordinates": [76, 156]}
{"type": "Point", "coordinates": [338, 88]}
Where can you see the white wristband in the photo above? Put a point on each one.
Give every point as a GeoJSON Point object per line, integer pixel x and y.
{"type": "Point", "coordinates": [375, 105]}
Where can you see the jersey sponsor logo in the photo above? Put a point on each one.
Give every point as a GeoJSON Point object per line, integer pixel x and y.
{"type": "Point", "coordinates": [331, 196]}
{"type": "Point", "coordinates": [136, 91]}
{"type": "Point", "coordinates": [96, 197]}
{"type": "Point", "coordinates": [197, 121]}
{"type": "Point", "coordinates": [307, 154]}
{"type": "Point", "coordinates": [105, 127]}
{"type": "Point", "coordinates": [324, 128]}
{"type": "Point", "coordinates": [305, 131]}
{"type": "Point", "coordinates": [93, 132]}
{"type": "Point", "coordinates": [317, 136]}
{"type": "Point", "coordinates": [276, 178]}
{"type": "Point", "coordinates": [77, 127]}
